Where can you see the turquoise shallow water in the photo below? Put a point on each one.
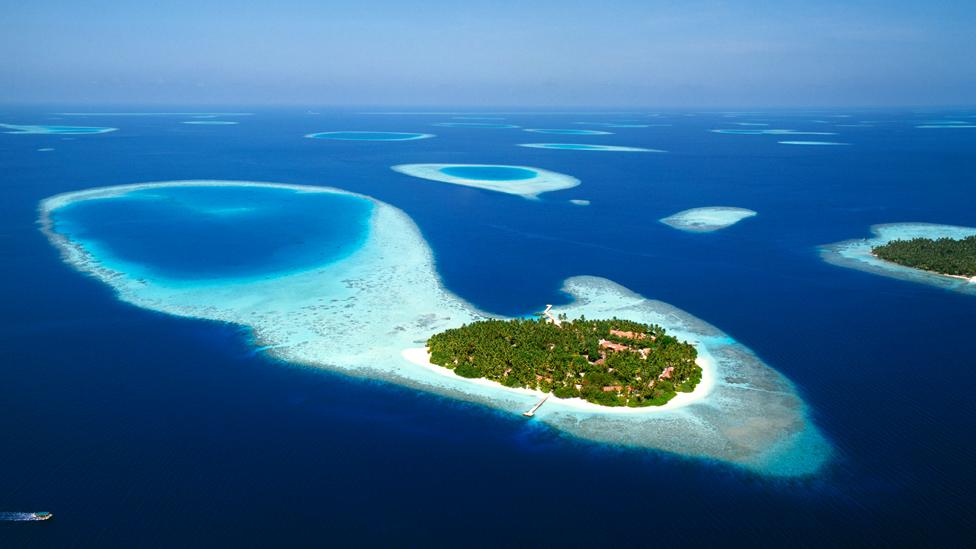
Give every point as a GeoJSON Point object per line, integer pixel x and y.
{"type": "Point", "coordinates": [570, 132]}
{"type": "Point", "coordinates": [489, 173]}
{"type": "Point", "coordinates": [57, 130]}
{"type": "Point", "coordinates": [199, 233]}
{"type": "Point", "coordinates": [586, 147]}
{"type": "Point", "coordinates": [369, 136]}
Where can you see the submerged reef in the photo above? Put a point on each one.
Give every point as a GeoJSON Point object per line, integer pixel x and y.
{"type": "Point", "coordinates": [359, 315]}
{"type": "Point", "coordinates": [812, 143]}
{"type": "Point", "coordinates": [370, 136]}
{"type": "Point", "coordinates": [947, 126]}
{"type": "Point", "coordinates": [195, 114]}
{"type": "Point", "coordinates": [616, 125]}
{"type": "Point", "coordinates": [523, 181]}
{"type": "Point", "coordinates": [55, 130]}
{"type": "Point", "coordinates": [211, 122]}
{"type": "Point", "coordinates": [483, 125]}
{"type": "Point", "coordinates": [569, 132]}
{"type": "Point", "coordinates": [586, 147]}
{"type": "Point", "coordinates": [770, 132]}
{"type": "Point", "coordinates": [857, 253]}
{"type": "Point", "coordinates": [707, 219]}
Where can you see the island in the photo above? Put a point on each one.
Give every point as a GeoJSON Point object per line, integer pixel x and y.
{"type": "Point", "coordinates": [945, 256]}
{"type": "Point", "coordinates": [934, 254]}
{"type": "Point", "coordinates": [608, 362]}
{"type": "Point", "coordinates": [368, 309]}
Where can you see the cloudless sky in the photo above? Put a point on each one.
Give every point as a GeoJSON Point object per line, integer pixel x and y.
{"type": "Point", "coordinates": [548, 53]}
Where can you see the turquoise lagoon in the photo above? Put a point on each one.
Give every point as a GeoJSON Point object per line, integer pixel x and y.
{"type": "Point", "coordinates": [770, 132]}
{"type": "Point", "coordinates": [812, 143]}
{"type": "Point", "coordinates": [210, 122]}
{"type": "Point", "coordinates": [151, 113]}
{"type": "Point", "coordinates": [183, 234]}
{"type": "Point", "coordinates": [370, 136]}
{"type": "Point", "coordinates": [586, 147]}
{"type": "Point", "coordinates": [946, 125]}
{"type": "Point", "coordinates": [56, 130]}
{"type": "Point", "coordinates": [523, 181]}
{"type": "Point", "coordinates": [334, 312]}
{"type": "Point", "coordinates": [569, 132]}
{"type": "Point", "coordinates": [616, 125]}
{"type": "Point", "coordinates": [490, 173]}
{"type": "Point", "coordinates": [483, 125]}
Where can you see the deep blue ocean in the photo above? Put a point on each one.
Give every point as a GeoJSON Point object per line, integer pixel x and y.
{"type": "Point", "coordinates": [138, 429]}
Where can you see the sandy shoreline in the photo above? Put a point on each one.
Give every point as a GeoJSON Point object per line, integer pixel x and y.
{"type": "Point", "coordinates": [420, 357]}
{"type": "Point", "coordinates": [970, 279]}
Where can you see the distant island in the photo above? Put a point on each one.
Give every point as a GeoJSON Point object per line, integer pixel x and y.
{"type": "Point", "coordinates": [920, 252]}
{"type": "Point", "coordinates": [607, 362]}
{"type": "Point", "coordinates": [947, 256]}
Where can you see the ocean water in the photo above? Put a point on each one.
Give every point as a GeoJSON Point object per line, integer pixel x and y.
{"type": "Point", "coordinates": [140, 429]}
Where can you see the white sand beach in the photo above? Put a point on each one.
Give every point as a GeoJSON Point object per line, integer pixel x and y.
{"type": "Point", "coordinates": [420, 357]}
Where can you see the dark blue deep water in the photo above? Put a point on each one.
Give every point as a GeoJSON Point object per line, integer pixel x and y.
{"type": "Point", "coordinates": [200, 233]}
{"type": "Point", "coordinates": [139, 430]}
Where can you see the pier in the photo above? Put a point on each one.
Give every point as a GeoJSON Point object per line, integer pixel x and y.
{"type": "Point", "coordinates": [548, 314]}
{"type": "Point", "coordinates": [535, 408]}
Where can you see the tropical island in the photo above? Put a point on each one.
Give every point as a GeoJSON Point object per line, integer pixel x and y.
{"type": "Point", "coordinates": [947, 256]}
{"type": "Point", "coordinates": [607, 362]}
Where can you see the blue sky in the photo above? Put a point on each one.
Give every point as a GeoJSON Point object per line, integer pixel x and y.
{"type": "Point", "coordinates": [613, 53]}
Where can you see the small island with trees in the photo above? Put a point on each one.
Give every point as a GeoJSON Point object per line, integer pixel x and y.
{"type": "Point", "coordinates": [607, 362]}
{"type": "Point", "coordinates": [947, 256]}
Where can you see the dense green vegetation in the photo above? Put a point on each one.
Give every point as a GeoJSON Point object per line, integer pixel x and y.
{"type": "Point", "coordinates": [944, 255]}
{"type": "Point", "coordinates": [609, 362]}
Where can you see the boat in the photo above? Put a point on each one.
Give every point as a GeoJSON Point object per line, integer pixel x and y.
{"type": "Point", "coordinates": [42, 515]}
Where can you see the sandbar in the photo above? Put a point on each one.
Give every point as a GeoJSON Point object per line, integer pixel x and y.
{"type": "Point", "coordinates": [707, 219]}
